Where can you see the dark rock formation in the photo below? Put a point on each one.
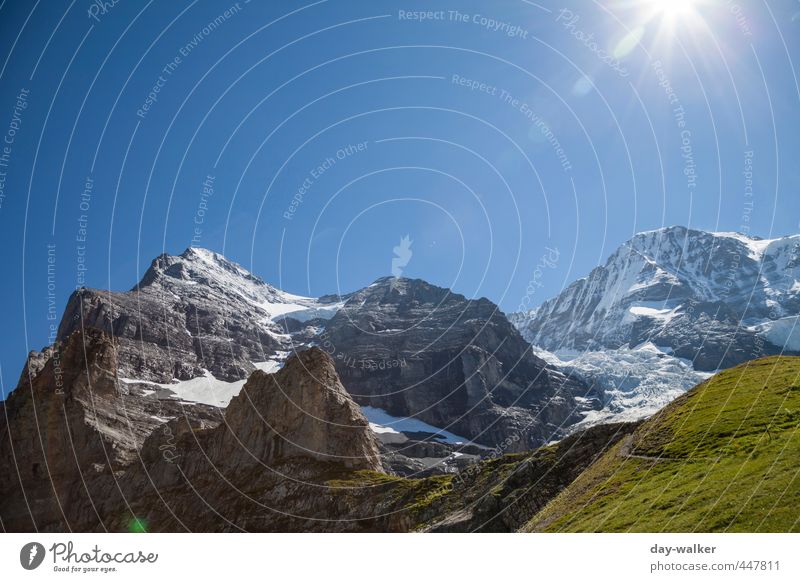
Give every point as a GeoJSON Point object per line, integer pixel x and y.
{"type": "Point", "coordinates": [69, 427]}
{"type": "Point", "coordinates": [191, 312]}
{"type": "Point", "coordinates": [301, 411]}
{"type": "Point", "coordinates": [414, 349]}
{"type": "Point", "coordinates": [292, 453]}
{"type": "Point", "coordinates": [407, 347]}
{"type": "Point", "coordinates": [78, 453]}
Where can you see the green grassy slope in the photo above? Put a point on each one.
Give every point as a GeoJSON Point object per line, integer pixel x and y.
{"type": "Point", "coordinates": [723, 457]}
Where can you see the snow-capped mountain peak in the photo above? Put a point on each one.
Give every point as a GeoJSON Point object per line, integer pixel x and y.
{"type": "Point", "coordinates": [668, 305]}
{"type": "Point", "coordinates": [223, 279]}
{"type": "Point", "coordinates": [711, 297]}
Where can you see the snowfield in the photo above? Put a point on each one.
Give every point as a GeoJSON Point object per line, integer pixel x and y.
{"type": "Point", "coordinates": [382, 422]}
{"type": "Point", "coordinates": [635, 383]}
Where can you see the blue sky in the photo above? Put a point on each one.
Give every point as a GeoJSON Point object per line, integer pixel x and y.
{"type": "Point", "coordinates": [305, 140]}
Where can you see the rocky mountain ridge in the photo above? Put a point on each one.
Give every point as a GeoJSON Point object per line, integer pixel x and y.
{"type": "Point", "coordinates": [195, 313]}
{"type": "Point", "coordinates": [198, 324]}
{"type": "Point", "coordinates": [414, 349]}
{"type": "Point", "coordinates": [716, 299]}
{"type": "Point", "coordinates": [292, 452]}
{"type": "Point", "coordinates": [129, 422]}
{"type": "Point", "coordinates": [667, 309]}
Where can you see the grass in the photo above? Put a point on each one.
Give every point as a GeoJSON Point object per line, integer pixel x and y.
{"type": "Point", "coordinates": [723, 457]}
{"type": "Point", "coordinates": [412, 495]}
{"type": "Point", "coordinates": [424, 500]}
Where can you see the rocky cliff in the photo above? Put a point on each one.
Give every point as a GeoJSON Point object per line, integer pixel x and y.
{"type": "Point", "coordinates": [71, 428]}
{"type": "Point", "coordinates": [81, 451]}
{"type": "Point", "coordinates": [194, 313]}
{"type": "Point", "coordinates": [198, 324]}
{"type": "Point", "coordinates": [414, 349]}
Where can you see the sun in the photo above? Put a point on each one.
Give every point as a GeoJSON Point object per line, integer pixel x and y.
{"type": "Point", "coordinates": [675, 8]}
{"type": "Point", "coordinates": [671, 16]}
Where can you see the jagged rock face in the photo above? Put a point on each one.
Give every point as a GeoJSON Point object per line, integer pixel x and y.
{"type": "Point", "coordinates": [456, 364]}
{"type": "Point", "coordinates": [68, 466]}
{"type": "Point", "coordinates": [48, 441]}
{"type": "Point", "coordinates": [81, 451]}
{"type": "Point", "coordinates": [414, 349]}
{"type": "Point", "coordinates": [301, 411]}
{"type": "Point", "coordinates": [193, 312]}
{"type": "Point", "coordinates": [714, 298]}
{"type": "Point", "coordinates": [68, 423]}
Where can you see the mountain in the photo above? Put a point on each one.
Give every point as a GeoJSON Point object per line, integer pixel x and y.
{"type": "Point", "coordinates": [274, 447]}
{"type": "Point", "coordinates": [442, 379]}
{"type": "Point", "coordinates": [70, 428]}
{"type": "Point", "coordinates": [716, 299]}
{"type": "Point", "coordinates": [413, 349]}
{"type": "Point", "coordinates": [291, 452]}
{"type": "Point", "coordinates": [667, 308]}
{"type": "Point", "coordinates": [720, 458]}
{"type": "Point", "coordinates": [194, 315]}
{"type": "Point", "coordinates": [198, 324]}
{"type": "Point", "coordinates": [84, 451]}
{"type": "Point", "coordinates": [633, 383]}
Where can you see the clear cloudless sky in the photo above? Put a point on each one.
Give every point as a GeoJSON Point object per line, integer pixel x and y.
{"type": "Point", "coordinates": [492, 134]}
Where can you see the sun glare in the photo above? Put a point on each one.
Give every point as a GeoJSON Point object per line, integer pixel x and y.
{"type": "Point", "coordinates": [674, 8]}
{"type": "Point", "coordinates": [669, 16]}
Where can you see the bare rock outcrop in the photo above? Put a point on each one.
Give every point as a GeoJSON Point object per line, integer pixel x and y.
{"type": "Point", "coordinates": [301, 411]}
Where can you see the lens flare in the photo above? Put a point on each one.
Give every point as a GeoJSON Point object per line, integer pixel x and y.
{"type": "Point", "coordinates": [674, 8]}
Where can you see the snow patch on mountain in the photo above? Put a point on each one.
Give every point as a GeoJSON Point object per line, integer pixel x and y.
{"type": "Point", "coordinates": [756, 246]}
{"type": "Point", "coordinates": [381, 422]}
{"type": "Point", "coordinates": [782, 332]}
{"type": "Point", "coordinates": [214, 270]}
{"type": "Point", "coordinates": [635, 383]}
{"type": "Point", "coordinates": [207, 389]}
